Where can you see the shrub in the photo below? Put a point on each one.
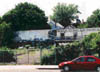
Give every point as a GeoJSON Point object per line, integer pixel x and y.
{"type": "Point", "coordinates": [6, 55]}
{"type": "Point", "coordinates": [59, 54]}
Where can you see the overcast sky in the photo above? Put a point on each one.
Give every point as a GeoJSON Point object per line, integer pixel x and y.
{"type": "Point", "coordinates": [85, 6]}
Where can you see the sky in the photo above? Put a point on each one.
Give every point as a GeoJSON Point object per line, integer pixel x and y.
{"type": "Point", "coordinates": [86, 7]}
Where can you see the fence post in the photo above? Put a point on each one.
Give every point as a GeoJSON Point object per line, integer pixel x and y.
{"type": "Point", "coordinates": [55, 56]}
{"type": "Point", "coordinates": [40, 55]}
{"type": "Point", "coordinates": [3, 56]}
{"type": "Point", "coordinates": [16, 55]}
{"type": "Point", "coordinates": [28, 55]}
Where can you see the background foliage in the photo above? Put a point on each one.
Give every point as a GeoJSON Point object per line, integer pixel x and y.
{"type": "Point", "coordinates": [26, 16]}
{"type": "Point", "coordinates": [90, 44]}
{"type": "Point", "coordinates": [94, 19]}
{"type": "Point", "coordinates": [65, 14]}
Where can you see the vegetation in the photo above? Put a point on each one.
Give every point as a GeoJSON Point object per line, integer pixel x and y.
{"type": "Point", "coordinates": [6, 55]}
{"type": "Point", "coordinates": [84, 25]}
{"type": "Point", "coordinates": [65, 14]}
{"type": "Point", "coordinates": [94, 19]}
{"type": "Point", "coordinates": [60, 53]}
{"type": "Point", "coordinates": [6, 35]}
{"type": "Point", "coordinates": [90, 44]}
{"type": "Point", "coordinates": [26, 16]}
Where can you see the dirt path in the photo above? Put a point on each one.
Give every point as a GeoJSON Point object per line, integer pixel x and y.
{"type": "Point", "coordinates": [29, 58]}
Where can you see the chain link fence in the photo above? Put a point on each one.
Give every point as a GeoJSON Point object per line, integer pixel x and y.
{"type": "Point", "coordinates": [25, 56]}
{"type": "Point", "coordinates": [20, 56]}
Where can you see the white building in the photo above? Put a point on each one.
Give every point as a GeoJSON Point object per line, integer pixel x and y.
{"type": "Point", "coordinates": [30, 35]}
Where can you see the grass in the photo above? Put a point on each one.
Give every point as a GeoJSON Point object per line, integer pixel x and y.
{"type": "Point", "coordinates": [46, 52]}
{"type": "Point", "coordinates": [23, 52]}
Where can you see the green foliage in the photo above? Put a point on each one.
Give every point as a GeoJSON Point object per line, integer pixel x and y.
{"type": "Point", "coordinates": [6, 55]}
{"type": "Point", "coordinates": [94, 19]}
{"type": "Point", "coordinates": [48, 57]}
{"type": "Point", "coordinates": [83, 25]}
{"type": "Point", "coordinates": [61, 53]}
{"type": "Point", "coordinates": [0, 20]}
{"type": "Point", "coordinates": [26, 16]}
{"type": "Point", "coordinates": [6, 35]}
{"type": "Point", "coordinates": [8, 39]}
{"type": "Point", "coordinates": [89, 44]}
{"type": "Point", "coordinates": [64, 14]}
{"type": "Point", "coordinates": [90, 41]}
{"type": "Point", "coordinates": [3, 27]}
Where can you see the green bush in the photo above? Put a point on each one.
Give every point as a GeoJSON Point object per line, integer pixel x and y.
{"type": "Point", "coordinates": [48, 59]}
{"type": "Point", "coordinates": [59, 54]}
{"type": "Point", "coordinates": [6, 55]}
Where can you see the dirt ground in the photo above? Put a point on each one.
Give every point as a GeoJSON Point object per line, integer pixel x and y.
{"type": "Point", "coordinates": [29, 58]}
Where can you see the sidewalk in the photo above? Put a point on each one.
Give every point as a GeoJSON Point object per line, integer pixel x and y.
{"type": "Point", "coordinates": [29, 68]}
{"type": "Point", "coordinates": [5, 67]}
{"type": "Point", "coordinates": [46, 66]}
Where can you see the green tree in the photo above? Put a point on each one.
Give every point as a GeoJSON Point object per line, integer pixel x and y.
{"type": "Point", "coordinates": [3, 27]}
{"type": "Point", "coordinates": [94, 19]}
{"type": "Point", "coordinates": [65, 14]}
{"type": "Point", "coordinates": [8, 38]}
{"type": "Point", "coordinates": [7, 35]}
{"type": "Point", "coordinates": [84, 25]}
{"type": "Point", "coordinates": [0, 20]}
{"type": "Point", "coordinates": [89, 43]}
{"type": "Point", "coordinates": [26, 16]}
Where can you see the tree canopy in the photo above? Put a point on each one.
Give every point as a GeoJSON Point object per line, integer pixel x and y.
{"type": "Point", "coordinates": [7, 35]}
{"type": "Point", "coordinates": [94, 19]}
{"type": "Point", "coordinates": [26, 16]}
{"type": "Point", "coordinates": [90, 43]}
{"type": "Point", "coordinates": [3, 27]}
{"type": "Point", "coordinates": [65, 14]}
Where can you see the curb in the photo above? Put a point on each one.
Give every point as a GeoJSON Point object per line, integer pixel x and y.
{"type": "Point", "coordinates": [46, 67]}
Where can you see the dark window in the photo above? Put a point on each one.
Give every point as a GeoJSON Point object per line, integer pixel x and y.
{"type": "Point", "coordinates": [90, 59]}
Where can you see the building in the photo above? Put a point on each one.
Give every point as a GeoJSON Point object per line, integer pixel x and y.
{"type": "Point", "coordinates": [57, 33]}
{"type": "Point", "coordinates": [28, 36]}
